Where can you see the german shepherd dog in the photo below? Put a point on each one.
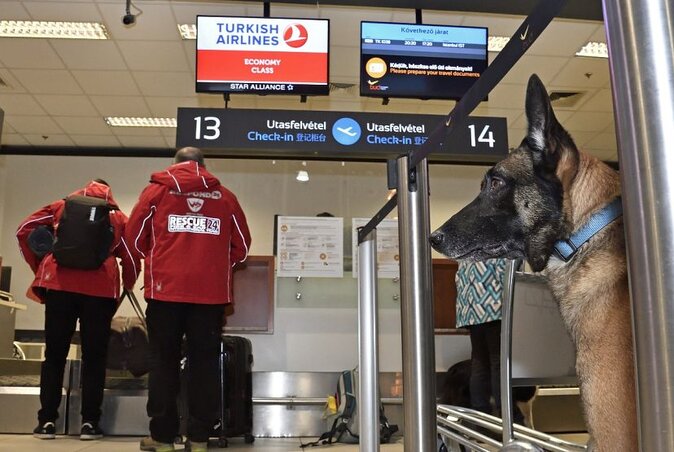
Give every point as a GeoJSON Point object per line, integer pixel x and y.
{"type": "Point", "coordinates": [541, 193]}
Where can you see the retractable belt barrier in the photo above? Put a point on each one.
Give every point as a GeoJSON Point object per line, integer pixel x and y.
{"type": "Point", "coordinates": [519, 43]}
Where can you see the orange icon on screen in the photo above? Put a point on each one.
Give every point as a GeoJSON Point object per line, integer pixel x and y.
{"type": "Point", "coordinates": [376, 67]}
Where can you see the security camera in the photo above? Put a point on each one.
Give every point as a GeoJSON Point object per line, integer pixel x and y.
{"type": "Point", "coordinates": [129, 19]}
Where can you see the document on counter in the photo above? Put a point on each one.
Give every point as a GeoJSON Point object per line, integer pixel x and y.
{"type": "Point", "coordinates": [310, 246]}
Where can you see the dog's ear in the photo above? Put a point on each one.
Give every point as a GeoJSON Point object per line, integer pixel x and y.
{"type": "Point", "coordinates": [546, 135]}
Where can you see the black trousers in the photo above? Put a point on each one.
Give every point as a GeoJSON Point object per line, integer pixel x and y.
{"type": "Point", "coordinates": [202, 325]}
{"type": "Point", "coordinates": [61, 314]}
{"type": "Point", "coordinates": [485, 340]}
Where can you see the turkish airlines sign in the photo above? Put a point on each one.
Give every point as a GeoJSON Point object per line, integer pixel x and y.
{"type": "Point", "coordinates": [262, 55]}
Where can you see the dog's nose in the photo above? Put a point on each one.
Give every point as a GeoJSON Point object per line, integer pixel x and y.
{"type": "Point", "coordinates": [437, 238]}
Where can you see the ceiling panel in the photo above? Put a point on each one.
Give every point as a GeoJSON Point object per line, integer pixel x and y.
{"type": "Point", "coordinates": [575, 73]}
{"type": "Point", "coordinates": [588, 121]}
{"type": "Point", "coordinates": [95, 141]}
{"type": "Point", "coordinates": [91, 55]}
{"type": "Point", "coordinates": [19, 104]}
{"type": "Point", "coordinates": [47, 81]}
{"type": "Point", "coordinates": [166, 107]}
{"type": "Point", "coordinates": [25, 53]}
{"type": "Point", "coordinates": [13, 139]}
{"type": "Point", "coordinates": [601, 101]}
{"type": "Point", "coordinates": [165, 83]}
{"type": "Point", "coordinates": [66, 105]}
{"type": "Point", "coordinates": [14, 11]}
{"type": "Point", "coordinates": [136, 131]}
{"type": "Point", "coordinates": [546, 67]}
{"type": "Point", "coordinates": [563, 38]}
{"type": "Point", "coordinates": [186, 13]}
{"type": "Point", "coordinates": [44, 125]}
{"type": "Point", "coordinates": [154, 55]}
{"type": "Point", "coordinates": [117, 83]}
{"type": "Point", "coordinates": [120, 105]}
{"type": "Point", "coordinates": [142, 142]}
{"type": "Point", "coordinates": [59, 11]}
{"type": "Point", "coordinates": [49, 140]}
{"type": "Point", "coordinates": [83, 125]}
{"type": "Point", "coordinates": [604, 141]}
{"type": "Point", "coordinates": [12, 84]}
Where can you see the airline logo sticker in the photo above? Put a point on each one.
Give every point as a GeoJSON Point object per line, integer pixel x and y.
{"type": "Point", "coordinates": [295, 35]}
{"type": "Point", "coordinates": [194, 224]}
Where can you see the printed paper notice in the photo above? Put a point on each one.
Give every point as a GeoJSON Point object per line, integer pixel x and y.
{"type": "Point", "coordinates": [310, 246]}
{"type": "Point", "coordinates": [388, 254]}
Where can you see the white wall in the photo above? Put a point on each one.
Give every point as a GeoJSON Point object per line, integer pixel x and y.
{"type": "Point", "coordinates": [307, 339]}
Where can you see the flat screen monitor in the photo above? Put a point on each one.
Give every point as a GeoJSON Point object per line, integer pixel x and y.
{"type": "Point", "coordinates": [420, 61]}
{"type": "Point", "coordinates": [261, 55]}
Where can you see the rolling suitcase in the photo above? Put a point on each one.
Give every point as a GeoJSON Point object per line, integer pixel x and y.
{"type": "Point", "coordinates": [236, 395]}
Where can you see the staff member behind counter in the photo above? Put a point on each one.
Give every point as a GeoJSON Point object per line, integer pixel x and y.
{"type": "Point", "coordinates": [191, 231]}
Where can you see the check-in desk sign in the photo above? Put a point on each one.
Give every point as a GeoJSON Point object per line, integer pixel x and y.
{"type": "Point", "coordinates": [336, 135]}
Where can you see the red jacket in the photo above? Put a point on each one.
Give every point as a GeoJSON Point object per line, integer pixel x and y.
{"type": "Point", "coordinates": [102, 282]}
{"type": "Point", "coordinates": [191, 231]}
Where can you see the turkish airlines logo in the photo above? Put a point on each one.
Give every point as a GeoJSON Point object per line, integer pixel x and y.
{"type": "Point", "coordinates": [295, 35]}
{"type": "Point", "coordinates": [195, 204]}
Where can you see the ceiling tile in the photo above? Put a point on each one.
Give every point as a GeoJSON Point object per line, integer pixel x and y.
{"type": "Point", "coordinates": [62, 105]}
{"type": "Point", "coordinates": [93, 141]}
{"type": "Point", "coordinates": [515, 136]}
{"type": "Point", "coordinates": [497, 25]}
{"type": "Point", "coordinates": [186, 13]}
{"type": "Point", "coordinates": [50, 140]}
{"type": "Point", "coordinates": [142, 142]}
{"type": "Point", "coordinates": [14, 11]}
{"type": "Point", "coordinates": [48, 81]}
{"type": "Point", "coordinates": [581, 138]}
{"type": "Point", "coordinates": [120, 105]}
{"type": "Point", "coordinates": [170, 141]}
{"type": "Point", "coordinates": [11, 83]}
{"type": "Point", "coordinates": [13, 139]}
{"type": "Point", "coordinates": [602, 101]}
{"type": "Point", "coordinates": [20, 104]}
{"type": "Point", "coordinates": [344, 62]}
{"type": "Point", "coordinates": [574, 73]}
{"type": "Point", "coordinates": [79, 125]}
{"type": "Point", "coordinates": [6, 128]}
{"type": "Point", "coordinates": [216, 101]}
{"type": "Point", "coordinates": [546, 67]}
{"type": "Point", "coordinates": [91, 55]}
{"type": "Point", "coordinates": [110, 83]}
{"type": "Point", "coordinates": [43, 125]}
{"type": "Point", "coordinates": [167, 107]}
{"type": "Point", "coordinates": [154, 55]}
{"type": "Point", "coordinates": [26, 53]}
{"type": "Point", "coordinates": [63, 11]}
{"type": "Point", "coordinates": [511, 115]}
{"type": "Point", "coordinates": [605, 154]}
{"type": "Point", "coordinates": [155, 23]}
{"type": "Point", "coordinates": [583, 121]}
{"type": "Point", "coordinates": [165, 83]}
{"type": "Point", "coordinates": [561, 115]}
{"type": "Point", "coordinates": [190, 50]}
{"type": "Point", "coordinates": [563, 38]}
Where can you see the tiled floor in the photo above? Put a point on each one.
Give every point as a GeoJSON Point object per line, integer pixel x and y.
{"type": "Point", "coordinates": [26, 443]}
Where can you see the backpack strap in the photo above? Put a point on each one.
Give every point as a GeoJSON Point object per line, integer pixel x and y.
{"type": "Point", "coordinates": [135, 305]}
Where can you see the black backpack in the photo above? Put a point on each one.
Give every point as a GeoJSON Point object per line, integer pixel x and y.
{"type": "Point", "coordinates": [84, 233]}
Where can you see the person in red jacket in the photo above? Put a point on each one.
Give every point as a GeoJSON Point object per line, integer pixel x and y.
{"type": "Point", "coordinates": [69, 294]}
{"type": "Point", "coordinates": [191, 231]}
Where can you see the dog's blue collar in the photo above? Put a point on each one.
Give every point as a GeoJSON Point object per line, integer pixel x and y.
{"type": "Point", "coordinates": [565, 249]}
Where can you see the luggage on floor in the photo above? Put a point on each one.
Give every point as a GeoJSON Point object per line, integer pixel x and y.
{"type": "Point", "coordinates": [236, 392]}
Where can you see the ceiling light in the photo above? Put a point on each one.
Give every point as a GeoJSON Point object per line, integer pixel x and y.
{"type": "Point", "coordinates": [117, 121]}
{"type": "Point", "coordinates": [302, 176]}
{"type": "Point", "coordinates": [52, 30]}
{"type": "Point", "coordinates": [187, 31]}
{"type": "Point", "coordinates": [496, 43]}
{"type": "Point", "coordinates": [594, 49]}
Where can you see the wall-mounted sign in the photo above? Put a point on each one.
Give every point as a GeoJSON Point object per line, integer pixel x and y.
{"type": "Point", "coordinates": [338, 135]}
{"type": "Point", "coordinates": [310, 246]}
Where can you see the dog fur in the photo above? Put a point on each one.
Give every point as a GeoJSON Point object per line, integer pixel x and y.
{"type": "Point", "coordinates": [540, 193]}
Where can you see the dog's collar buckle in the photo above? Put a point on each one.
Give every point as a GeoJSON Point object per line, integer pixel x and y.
{"type": "Point", "coordinates": [565, 249]}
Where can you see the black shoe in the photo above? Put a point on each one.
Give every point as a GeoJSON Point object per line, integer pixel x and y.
{"type": "Point", "coordinates": [90, 430]}
{"type": "Point", "coordinates": [46, 430]}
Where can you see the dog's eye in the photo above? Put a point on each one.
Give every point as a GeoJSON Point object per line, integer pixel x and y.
{"type": "Point", "coordinates": [496, 183]}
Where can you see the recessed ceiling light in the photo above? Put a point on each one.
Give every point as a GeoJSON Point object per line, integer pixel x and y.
{"type": "Point", "coordinates": [52, 30]}
{"type": "Point", "coordinates": [117, 121]}
{"type": "Point", "coordinates": [496, 43]}
{"type": "Point", "coordinates": [594, 49]}
{"type": "Point", "coordinates": [302, 176]}
{"type": "Point", "coordinates": [188, 31]}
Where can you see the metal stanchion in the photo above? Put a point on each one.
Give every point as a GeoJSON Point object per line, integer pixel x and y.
{"type": "Point", "coordinates": [507, 306]}
{"type": "Point", "coordinates": [416, 288]}
{"type": "Point", "coordinates": [368, 331]}
{"type": "Point", "coordinates": [641, 44]}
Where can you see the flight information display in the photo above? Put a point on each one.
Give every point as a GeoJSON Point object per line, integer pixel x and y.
{"type": "Point", "coordinates": [420, 61]}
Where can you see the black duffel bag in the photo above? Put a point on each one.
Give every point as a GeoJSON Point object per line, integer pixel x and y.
{"type": "Point", "coordinates": [128, 347]}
